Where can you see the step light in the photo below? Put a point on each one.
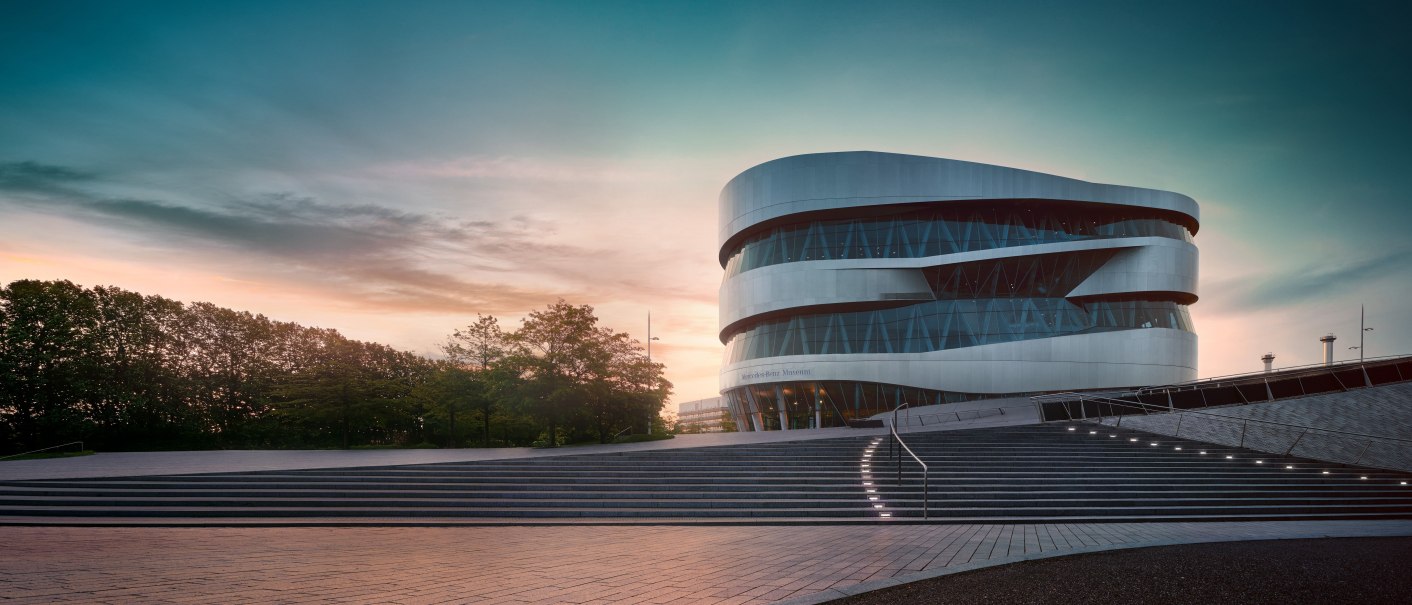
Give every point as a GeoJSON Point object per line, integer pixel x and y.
{"type": "Point", "coordinates": [1154, 444]}
{"type": "Point", "coordinates": [872, 491]}
{"type": "Point", "coordinates": [1326, 472]}
{"type": "Point", "coordinates": [887, 514]}
{"type": "Point", "coordinates": [1071, 428]}
{"type": "Point", "coordinates": [1203, 452]}
{"type": "Point", "coordinates": [866, 465]}
{"type": "Point", "coordinates": [877, 506]}
{"type": "Point", "coordinates": [1112, 435]}
{"type": "Point", "coordinates": [1363, 477]}
{"type": "Point", "coordinates": [1289, 466]}
{"type": "Point", "coordinates": [1179, 449]}
{"type": "Point", "coordinates": [870, 482]}
{"type": "Point", "coordinates": [874, 498]}
{"type": "Point", "coordinates": [1132, 439]}
{"type": "Point", "coordinates": [1228, 457]}
{"type": "Point", "coordinates": [1260, 462]}
{"type": "Point", "coordinates": [1093, 432]}
{"type": "Point", "coordinates": [1404, 483]}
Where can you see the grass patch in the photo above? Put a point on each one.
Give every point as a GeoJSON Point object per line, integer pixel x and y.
{"type": "Point", "coordinates": [641, 438]}
{"type": "Point", "coordinates": [43, 455]}
{"type": "Point", "coordinates": [412, 446]}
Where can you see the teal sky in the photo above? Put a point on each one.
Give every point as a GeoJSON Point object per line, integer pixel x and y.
{"type": "Point", "coordinates": [390, 169]}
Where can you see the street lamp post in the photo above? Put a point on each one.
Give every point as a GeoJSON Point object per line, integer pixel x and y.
{"type": "Point", "coordinates": [1361, 330]}
{"type": "Point", "coordinates": [650, 338]}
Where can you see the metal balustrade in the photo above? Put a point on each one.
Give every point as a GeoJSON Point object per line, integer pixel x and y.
{"type": "Point", "coordinates": [943, 417]}
{"type": "Point", "coordinates": [1109, 404]}
{"type": "Point", "coordinates": [1242, 389]}
{"type": "Point", "coordinates": [926, 488]}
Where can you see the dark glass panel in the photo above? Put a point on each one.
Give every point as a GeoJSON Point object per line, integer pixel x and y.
{"type": "Point", "coordinates": [838, 402]}
{"type": "Point", "coordinates": [949, 324]}
{"type": "Point", "coordinates": [943, 230]}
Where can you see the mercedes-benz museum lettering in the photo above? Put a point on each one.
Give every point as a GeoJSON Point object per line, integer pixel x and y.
{"type": "Point", "coordinates": [857, 281]}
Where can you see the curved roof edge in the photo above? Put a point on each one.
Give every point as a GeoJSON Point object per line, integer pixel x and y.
{"type": "Point", "coordinates": [829, 181]}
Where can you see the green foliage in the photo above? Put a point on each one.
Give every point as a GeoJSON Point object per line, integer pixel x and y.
{"type": "Point", "coordinates": [119, 370]}
{"type": "Point", "coordinates": [46, 455]}
{"type": "Point", "coordinates": [728, 422]}
{"type": "Point", "coordinates": [566, 371]}
{"type": "Point", "coordinates": [640, 438]}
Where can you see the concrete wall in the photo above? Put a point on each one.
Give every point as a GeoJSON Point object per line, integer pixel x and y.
{"type": "Point", "coordinates": [1384, 411]}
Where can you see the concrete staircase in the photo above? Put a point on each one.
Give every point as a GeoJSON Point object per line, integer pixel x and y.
{"type": "Point", "coordinates": [1090, 472]}
{"type": "Point", "coordinates": [1009, 474]}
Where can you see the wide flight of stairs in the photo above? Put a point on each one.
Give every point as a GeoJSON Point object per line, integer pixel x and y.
{"type": "Point", "coordinates": [1036, 473]}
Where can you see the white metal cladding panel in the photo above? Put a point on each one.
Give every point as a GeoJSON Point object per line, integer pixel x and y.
{"type": "Point", "coordinates": [1163, 265]}
{"type": "Point", "coordinates": [827, 181]}
{"type": "Point", "coordinates": [811, 284]}
{"type": "Point", "coordinates": [1122, 358]}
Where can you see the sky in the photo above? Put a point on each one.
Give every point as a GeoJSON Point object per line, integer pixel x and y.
{"type": "Point", "coordinates": [392, 169]}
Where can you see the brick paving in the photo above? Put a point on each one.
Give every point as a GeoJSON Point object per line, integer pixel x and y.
{"type": "Point", "coordinates": [575, 564]}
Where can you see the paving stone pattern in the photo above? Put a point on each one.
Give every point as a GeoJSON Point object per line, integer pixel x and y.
{"type": "Point", "coordinates": [588, 564]}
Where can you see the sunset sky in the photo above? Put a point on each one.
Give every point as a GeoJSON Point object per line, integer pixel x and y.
{"type": "Point", "coordinates": [390, 169]}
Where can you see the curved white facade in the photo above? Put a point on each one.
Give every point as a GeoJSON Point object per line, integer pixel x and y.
{"type": "Point", "coordinates": [859, 280]}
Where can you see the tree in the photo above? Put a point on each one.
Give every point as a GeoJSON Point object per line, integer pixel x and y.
{"type": "Point", "coordinates": [353, 384]}
{"type": "Point", "coordinates": [478, 349]}
{"type": "Point", "coordinates": [728, 422]}
{"type": "Point", "coordinates": [570, 370]}
{"type": "Point", "coordinates": [47, 361]}
{"type": "Point", "coordinates": [550, 357]}
{"type": "Point", "coordinates": [121, 370]}
{"type": "Point", "coordinates": [450, 388]}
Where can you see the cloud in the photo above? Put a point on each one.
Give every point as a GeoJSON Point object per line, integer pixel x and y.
{"type": "Point", "coordinates": [480, 167]}
{"type": "Point", "coordinates": [1311, 283]}
{"type": "Point", "coordinates": [34, 177]}
{"type": "Point", "coordinates": [363, 254]}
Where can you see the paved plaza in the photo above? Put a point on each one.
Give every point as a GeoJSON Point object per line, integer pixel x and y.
{"type": "Point", "coordinates": [575, 564]}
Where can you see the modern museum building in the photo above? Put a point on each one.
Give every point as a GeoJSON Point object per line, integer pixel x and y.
{"type": "Point", "coordinates": [857, 281]}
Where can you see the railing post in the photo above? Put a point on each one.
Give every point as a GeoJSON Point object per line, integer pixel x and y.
{"type": "Point", "coordinates": [1179, 425]}
{"type": "Point", "coordinates": [1296, 441]}
{"type": "Point", "coordinates": [1243, 424]}
{"type": "Point", "coordinates": [899, 468]}
{"type": "Point", "coordinates": [1363, 451]}
{"type": "Point", "coordinates": [926, 495]}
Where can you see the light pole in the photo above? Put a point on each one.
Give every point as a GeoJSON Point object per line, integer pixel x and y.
{"type": "Point", "coordinates": [1361, 330]}
{"type": "Point", "coordinates": [650, 338]}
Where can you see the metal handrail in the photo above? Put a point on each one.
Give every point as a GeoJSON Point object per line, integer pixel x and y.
{"type": "Point", "coordinates": [1165, 410]}
{"type": "Point", "coordinates": [978, 413]}
{"type": "Point", "coordinates": [926, 502]}
{"type": "Point", "coordinates": [80, 448]}
{"type": "Point", "coordinates": [1244, 422]}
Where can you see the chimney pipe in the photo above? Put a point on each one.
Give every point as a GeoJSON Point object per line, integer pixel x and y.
{"type": "Point", "coordinates": [1328, 341]}
{"type": "Point", "coordinates": [1269, 360]}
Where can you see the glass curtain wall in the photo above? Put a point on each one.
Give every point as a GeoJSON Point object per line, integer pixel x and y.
{"type": "Point", "coordinates": [758, 407]}
{"type": "Point", "coordinates": [979, 303]}
{"type": "Point", "coordinates": [942, 231]}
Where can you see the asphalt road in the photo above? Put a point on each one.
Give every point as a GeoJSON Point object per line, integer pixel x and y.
{"type": "Point", "coordinates": [1335, 570]}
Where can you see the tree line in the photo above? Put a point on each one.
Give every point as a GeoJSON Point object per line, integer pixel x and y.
{"type": "Point", "coordinates": [120, 370]}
